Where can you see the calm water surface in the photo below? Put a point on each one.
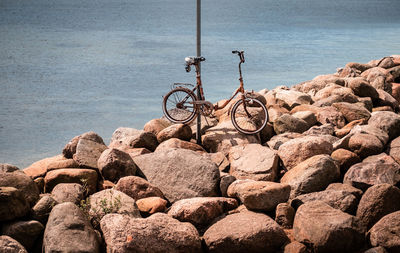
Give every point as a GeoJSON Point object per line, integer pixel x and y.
{"type": "Point", "coordinates": [68, 67]}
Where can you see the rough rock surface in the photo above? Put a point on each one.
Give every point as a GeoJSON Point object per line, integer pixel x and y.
{"type": "Point", "coordinates": [177, 143]}
{"type": "Point", "coordinates": [365, 145]}
{"type": "Point", "coordinates": [253, 161]}
{"type": "Point", "coordinates": [137, 188]}
{"type": "Point", "coordinates": [330, 114]}
{"type": "Point", "coordinates": [13, 204]}
{"type": "Point", "coordinates": [245, 232]}
{"type": "Point", "coordinates": [352, 111]}
{"type": "Point", "coordinates": [114, 164]}
{"type": "Point", "coordinates": [345, 158]}
{"type": "Point", "coordinates": [25, 232]}
{"type": "Point", "coordinates": [158, 233]}
{"type": "Point", "coordinates": [151, 205]}
{"type": "Point", "coordinates": [88, 151]}
{"type": "Point", "coordinates": [276, 141]}
{"type": "Point", "coordinates": [125, 138]}
{"type": "Point", "coordinates": [180, 131]}
{"type": "Point", "coordinates": [9, 245]}
{"type": "Point", "coordinates": [386, 232]}
{"type": "Point", "coordinates": [156, 125]}
{"type": "Point", "coordinates": [72, 175]}
{"type": "Point", "coordinates": [394, 149]}
{"type": "Point", "coordinates": [386, 121]}
{"type": "Point", "coordinates": [288, 123]}
{"type": "Point", "coordinates": [43, 207]}
{"type": "Point", "coordinates": [68, 193]}
{"type": "Point", "coordinates": [284, 215]}
{"type": "Point", "coordinates": [180, 173]}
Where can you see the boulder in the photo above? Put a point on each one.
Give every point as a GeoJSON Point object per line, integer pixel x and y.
{"type": "Point", "coordinates": [365, 145]}
{"type": "Point", "coordinates": [295, 247]}
{"type": "Point", "coordinates": [284, 215]}
{"type": "Point", "coordinates": [253, 161]}
{"type": "Point", "coordinates": [156, 125]}
{"type": "Point", "coordinates": [225, 182]}
{"type": "Point", "coordinates": [70, 148]}
{"type": "Point", "coordinates": [352, 111]}
{"type": "Point", "coordinates": [308, 116]}
{"type": "Point", "coordinates": [387, 62]}
{"type": "Point", "coordinates": [386, 99]}
{"type": "Point", "coordinates": [333, 90]}
{"type": "Point", "coordinates": [219, 159]}
{"type": "Point", "coordinates": [206, 123]}
{"type": "Point", "coordinates": [388, 122]}
{"type": "Point", "coordinates": [68, 230]}
{"type": "Point", "coordinates": [342, 200]}
{"type": "Point", "coordinates": [72, 175]}
{"type": "Point", "coordinates": [224, 136]}
{"type": "Point", "coordinates": [25, 232]}
{"type": "Point", "coordinates": [177, 143]}
{"type": "Point", "coordinates": [19, 180]}
{"type": "Point", "coordinates": [330, 114]}
{"type": "Point", "coordinates": [362, 129]}
{"type": "Point", "coordinates": [378, 201]}
{"type": "Point", "coordinates": [382, 108]}
{"type": "Point", "coordinates": [151, 205]}
{"type": "Point", "coordinates": [138, 188]}
{"type": "Point", "coordinates": [12, 203]}
{"type": "Point", "coordinates": [111, 201]}
{"type": "Point", "coordinates": [125, 138]}
{"type": "Point", "coordinates": [267, 132]}
{"type": "Point", "coordinates": [289, 123]}
{"type": "Point", "coordinates": [312, 175]}
{"type": "Point", "coordinates": [275, 111]}
{"type": "Point", "coordinates": [9, 245]}
{"type": "Point", "coordinates": [201, 211]}
{"type": "Point", "coordinates": [379, 78]}
{"type": "Point", "coordinates": [114, 164]}
{"type": "Point", "coordinates": [345, 158]}
{"type": "Point", "coordinates": [326, 102]}
{"type": "Point", "coordinates": [394, 149]}
{"type": "Point", "coordinates": [346, 188]}
{"type": "Point", "coordinates": [88, 152]}
{"type": "Point", "coordinates": [39, 181]}
{"type": "Point", "coordinates": [374, 171]}
{"type": "Point", "coordinates": [396, 91]}
{"type": "Point", "coordinates": [300, 149]}
{"type": "Point", "coordinates": [7, 168]}
{"type": "Point", "coordinates": [161, 234]}
{"type": "Point", "coordinates": [376, 250]}
{"type": "Point", "coordinates": [359, 66]}
{"type": "Point", "coordinates": [326, 129]}
{"type": "Point", "coordinates": [245, 232]}
{"type": "Point", "coordinates": [276, 141]}
{"type": "Point", "coordinates": [287, 98]}
{"type": "Point", "coordinates": [179, 131]}
{"type": "Point", "coordinates": [133, 152]}
{"type": "Point", "coordinates": [348, 72]}
{"type": "Point", "coordinates": [259, 195]}
{"type": "Point", "coordinates": [180, 173]}
{"type": "Point", "coordinates": [362, 88]}
{"type": "Point", "coordinates": [71, 192]}
{"type": "Point", "coordinates": [386, 232]}
{"type": "Point", "coordinates": [340, 133]}
{"type": "Point", "coordinates": [366, 102]}
{"type": "Point", "coordinates": [43, 207]}
{"type": "Point", "coordinates": [327, 229]}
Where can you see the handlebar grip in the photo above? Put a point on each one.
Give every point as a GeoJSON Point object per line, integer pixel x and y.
{"type": "Point", "coordinates": [235, 52]}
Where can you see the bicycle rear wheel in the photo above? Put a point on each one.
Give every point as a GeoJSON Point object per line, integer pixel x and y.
{"type": "Point", "coordinates": [178, 105]}
{"type": "Point", "coordinates": [249, 115]}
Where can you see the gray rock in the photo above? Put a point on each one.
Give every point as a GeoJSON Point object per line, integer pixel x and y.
{"type": "Point", "coordinates": [65, 192]}
{"type": "Point", "coordinates": [12, 204]}
{"type": "Point", "coordinates": [88, 152]}
{"type": "Point", "coordinates": [43, 207]}
{"type": "Point", "coordinates": [70, 148]}
{"type": "Point", "coordinates": [25, 232]}
{"type": "Point", "coordinates": [225, 182]}
{"type": "Point", "coordinates": [114, 164]}
{"type": "Point", "coordinates": [125, 138]}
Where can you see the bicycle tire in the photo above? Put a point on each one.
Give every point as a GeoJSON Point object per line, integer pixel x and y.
{"type": "Point", "coordinates": [258, 116]}
{"type": "Point", "coordinates": [180, 107]}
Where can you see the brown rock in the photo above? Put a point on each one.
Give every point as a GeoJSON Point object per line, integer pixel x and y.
{"type": "Point", "coordinates": [156, 125]}
{"type": "Point", "coordinates": [39, 181]}
{"type": "Point", "coordinates": [162, 234]}
{"type": "Point", "coordinates": [43, 207]}
{"type": "Point", "coordinates": [386, 232]}
{"type": "Point", "coordinates": [347, 128]}
{"type": "Point", "coordinates": [307, 116]}
{"type": "Point", "coordinates": [284, 215]}
{"type": "Point", "coordinates": [114, 164]}
{"type": "Point", "coordinates": [177, 143]}
{"type": "Point", "coordinates": [39, 168]}
{"type": "Point", "coordinates": [330, 114]}
{"type": "Point", "coordinates": [13, 204]}
{"type": "Point", "coordinates": [88, 152]}
{"type": "Point", "coordinates": [297, 150]}
{"type": "Point", "coordinates": [289, 123]}
{"type": "Point", "coordinates": [378, 201]}
{"type": "Point", "coordinates": [105, 184]}
{"type": "Point", "coordinates": [362, 88]}
{"type": "Point", "coordinates": [245, 232]}
{"type": "Point", "coordinates": [386, 99]}
{"type": "Point", "coordinates": [125, 138]}
{"type": "Point", "coordinates": [325, 102]}
{"type": "Point", "coordinates": [180, 131]}
{"type": "Point", "coordinates": [396, 91]}
{"type": "Point", "coordinates": [312, 175]}
{"type": "Point", "coordinates": [9, 245]}
{"type": "Point", "coordinates": [332, 90]}
{"type": "Point", "coordinates": [70, 148]}
{"type": "Point", "coordinates": [72, 175]}
{"type": "Point", "coordinates": [253, 161]}
{"type": "Point", "coordinates": [386, 121]}
{"type": "Point", "coordinates": [346, 188]}
{"type": "Point", "coordinates": [326, 129]}
{"type": "Point", "coordinates": [267, 132]}
{"type": "Point", "coordinates": [352, 111]}
{"type": "Point", "coordinates": [259, 195]}
{"type": "Point", "coordinates": [219, 159]}
{"type": "Point", "coordinates": [201, 211]}
{"type": "Point", "coordinates": [348, 72]}
{"type": "Point", "coordinates": [359, 66]}
{"type": "Point", "coordinates": [365, 144]}
{"type": "Point", "coordinates": [137, 188]}
{"type": "Point", "coordinates": [276, 141]}
{"type": "Point", "coordinates": [133, 152]}
{"type": "Point", "coordinates": [287, 98]}
{"type": "Point", "coordinates": [304, 107]}
{"type": "Point", "coordinates": [345, 158]}
{"type": "Point", "coordinates": [68, 193]}
{"type": "Point", "coordinates": [295, 247]}
{"type": "Point", "coordinates": [151, 205]}
{"type": "Point", "coordinates": [275, 111]}
{"type": "Point", "coordinates": [25, 232]}
{"type": "Point", "coordinates": [379, 78]}
{"type": "Point", "coordinates": [394, 149]}
{"type": "Point", "coordinates": [225, 182]}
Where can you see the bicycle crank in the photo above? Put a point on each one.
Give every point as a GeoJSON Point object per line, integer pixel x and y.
{"type": "Point", "coordinates": [206, 107]}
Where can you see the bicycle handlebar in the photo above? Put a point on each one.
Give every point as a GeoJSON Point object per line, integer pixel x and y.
{"type": "Point", "coordinates": [241, 55]}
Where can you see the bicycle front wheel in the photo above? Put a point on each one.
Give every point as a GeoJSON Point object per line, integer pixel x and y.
{"type": "Point", "coordinates": [178, 105]}
{"type": "Point", "coordinates": [249, 115]}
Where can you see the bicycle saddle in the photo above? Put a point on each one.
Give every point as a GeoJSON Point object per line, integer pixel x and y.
{"type": "Point", "coordinates": [190, 60]}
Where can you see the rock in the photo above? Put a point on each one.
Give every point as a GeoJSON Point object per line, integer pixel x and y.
{"type": "Point", "coordinates": [133, 152]}
{"type": "Point", "coordinates": [151, 205]}
{"type": "Point", "coordinates": [7, 168]}
{"type": "Point", "coordinates": [259, 195]}
{"type": "Point", "coordinates": [362, 88]}
{"type": "Point", "coordinates": [70, 148]}
{"type": "Point", "coordinates": [396, 91]}
{"type": "Point", "coordinates": [156, 125]}
{"type": "Point", "coordinates": [330, 114]}
{"type": "Point", "coordinates": [225, 182]}
{"type": "Point", "coordinates": [179, 131]}
{"type": "Point", "coordinates": [125, 138]}
{"type": "Point", "coordinates": [376, 250]}
{"type": "Point", "coordinates": [284, 215]}
{"type": "Point", "coordinates": [43, 207]}
{"type": "Point", "coordinates": [138, 188]}
{"type": "Point", "coordinates": [388, 122]}
{"type": "Point", "coordinates": [276, 141]}
{"type": "Point", "coordinates": [386, 232]}
{"type": "Point", "coordinates": [72, 175]}
{"type": "Point", "coordinates": [224, 136]}
{"type": "Point", "coordinates": [162, 234]}
{"type": "Point", "coordinates": [385, 99]}
{"type": "Point", "coordinates": [365, 145]}
{"type": "Point", "coordinates": [295, 247]}
{"type": "Point", "coordinates": [25, 232]}
{"type": "Point", "coordinates": [352, 111]}
{"type": "Point", "coordinates": [68, 193]}
{"type": "Point", "coordinates": [386, 62]}
{"type": "Point", "coordinates": [88, 152]}
{"type": "Point", "coordinates": [363, 129]}
{"type": "Point", "coordinates": [68, 230]}
{"type": "Point", "coordinates": [206, 123]}
{"type": "Point", "coordinates": [287, 98]}
{"type": "Point", "coordinates": [267, 132]}
{"type": "Point", "coordinates": [366, 102]}
{"type": "Point", "coordinates": [289, 123]}
{"type": "Point", "coordinates": [9, 245]}
{"type": "Point", "coordinates": [308, 116]}
{"type": "Point", "coordinates": [253, 161]}
{"type": "Point", "coordinates": [201, 211]}
{"type": "Point", "coordinates": [348, 72]}
{"type": "Point", "coordinates": [300, 149]}
{"type": "Point", "coordinates": [382, 108]}
{"type": "Point", "coordinates": [13, 203]}
{"type": "Point", "coordinates": [359, 66]}
{"type": "Point", "coordinates": [345, 158]}
{"type": "Point", "coordinates": [303, 108]}
{"type": "Point", "coordinates": [245, 232]}
{"type": "Point", "coordinates": [365, 174]}
{"type": "Point", "coordinates": [347, 128]}
{"type": "Point", "coordinates": [378, 201]}
{"type": "Point", "coordinates": [105, 184]}
{"type": "Point", "coordinates": [326, 129]}
{"type": "Point", "coordinates": [326, 102]}
{"type": "Point", "coordinates": [180, 173]}
{"type": "Point", "coordinates": [219, 159]}
{"type": "Point", "coordinates": [333, 90]}
{"type": "Point", "coordinates": [346, 188]}
{"type": "Point", "coordinates": [312, 175]}
{"type": "Point", "coordinates": [111, 201]}
{"type": "Point", "coordinates": [342, 200]}
{"type": "Point", "coordinates": [39, 181]}
{"type": "Point", "coordinates": [275, 111]}
{"type": "Point", "coordinates": [114, 164]}
{"type": "Point", "coordinates": [379, 78]}
{"type": "Point", "coordinates": [20, 181]}
{"type": "Point", "coordinates": [177, 143]}
{"type": "Point", "coordinates": [394, 149]}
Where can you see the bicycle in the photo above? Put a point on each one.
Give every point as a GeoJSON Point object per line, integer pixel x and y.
{"type": "Point", "coordinates": [248, 115]}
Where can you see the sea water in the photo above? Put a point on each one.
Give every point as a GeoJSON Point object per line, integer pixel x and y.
{"type": "Point", "coordinates": [68, 67]}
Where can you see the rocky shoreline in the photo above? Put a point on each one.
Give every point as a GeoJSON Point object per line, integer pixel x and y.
{"type": "Point", "coordinates": [323, 176]}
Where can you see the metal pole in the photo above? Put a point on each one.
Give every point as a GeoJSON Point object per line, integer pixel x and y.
{"type": "Point", "coordinates": [198, 40]}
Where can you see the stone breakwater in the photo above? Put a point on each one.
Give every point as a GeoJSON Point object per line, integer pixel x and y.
{"type": "Point", "coordinates": [323, 176]}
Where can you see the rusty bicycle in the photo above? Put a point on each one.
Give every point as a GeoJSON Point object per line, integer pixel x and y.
{"type": "Point", "coordinates": [181, 105]}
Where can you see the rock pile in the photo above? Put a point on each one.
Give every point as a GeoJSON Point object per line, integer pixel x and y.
{"type": "Point", "coordinates": [323, 176]}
